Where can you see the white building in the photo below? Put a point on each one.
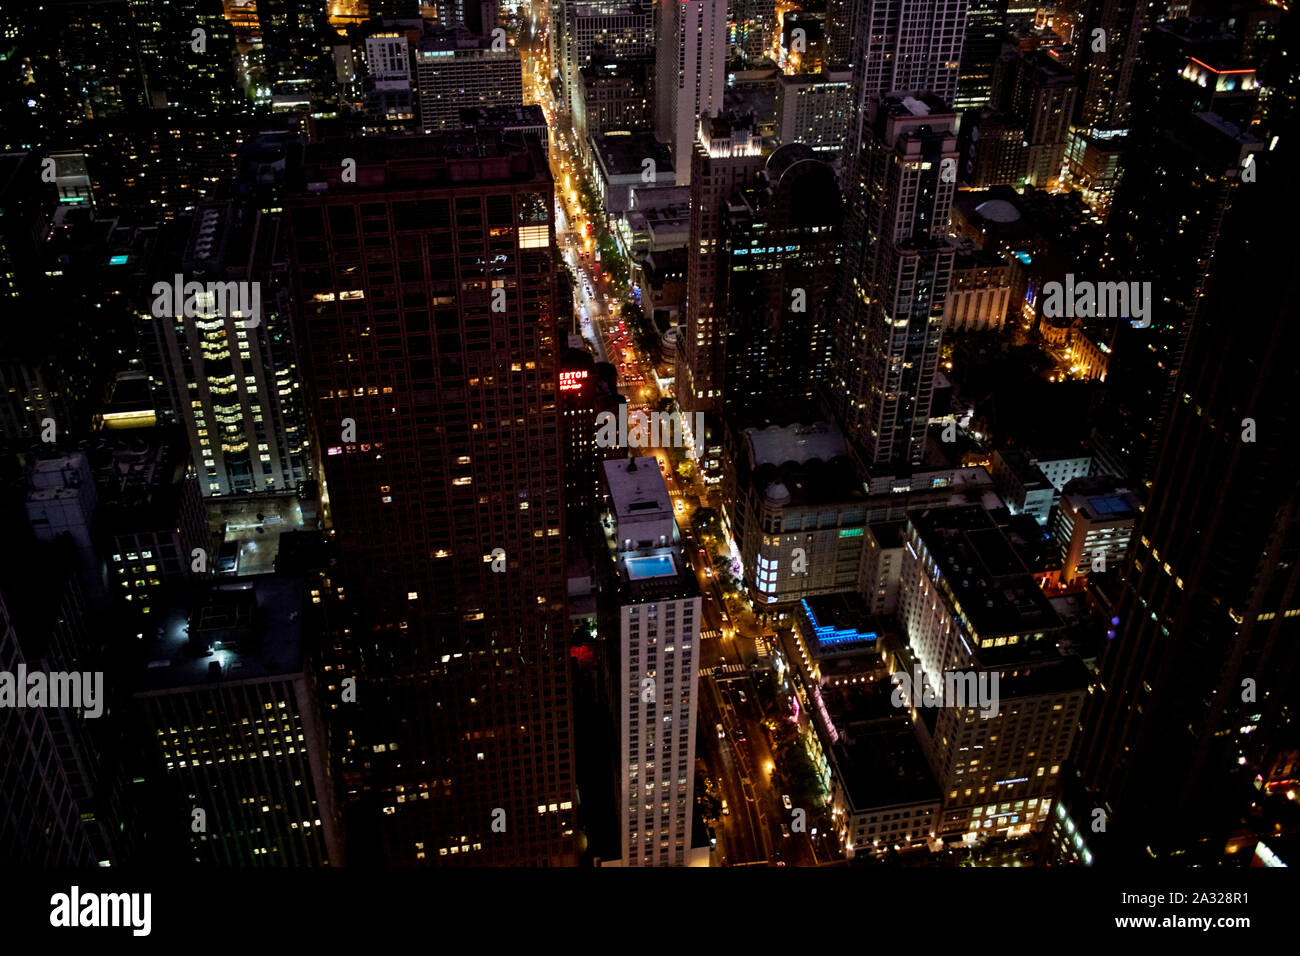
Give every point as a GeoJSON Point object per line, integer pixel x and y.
{"type": "Point", "coordinates": [1094, 523]}
{"type": "Point", "coordinates": [455, 69]}
{"type": "Point", "coordinates": [690, 74]}
{"type": "Point", "coordinates": [814, 109]}
{"type": "Point", "coordinates": [969, 604]}
{"type": "Point", "coordinates": [653, 672]}
{"type": "Point", "coordinates": [232, 383]}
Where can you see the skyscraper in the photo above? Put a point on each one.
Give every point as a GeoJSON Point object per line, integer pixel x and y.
{"type": "Point", "coordinates": [230, 702]}
{"type": "Point", "coordinates": [582, 29]}
{"type": "Point", "coordinates": [728, 154]}
{"type": "Point", "coordinates": [898, 265]}
{"type": "Point", "coordinates": [782, 250]}
{"type": "Point", "coordinates": [985, 25]}
{"type": "Point", "coordinates": [431, 348]}
{"type": "Point", "coordinates": [1197, 688]}
{"type": "Point", "coordinates": [899, 176]}
{"type": "Point", "coordinates": [1106, 61]}
{"type": "Point", "coordinates": [690, 74]}
{"type": "Point", "coordinates": [653, 673]}
{"type": "Point", "coordinates": [231, 381]}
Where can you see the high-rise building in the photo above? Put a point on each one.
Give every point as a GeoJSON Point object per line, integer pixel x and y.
{"type": "Point", "coordinates": [985, 26]}
{"type": "Point", "coordinates": [782, 245]}
{"type": "Point", "coordinates": [1198, 160]}
{"type": "Point", "coordinates": [969, 605]}
{"type": "Point", "coordinates": [814, 108]}
{"type": "Point", "coordinates": [616, 30]}
{"type": "Point", "coordinates": [690, 74]}
{"type": "Point", "coordinates": [41, 822]}
{"type": "Point", "coordinates": [1043, 96]}
{"type": "Point", "coordinates": [1106, 62]}
{"type": "Point", "coordinates": [728, 154]}
{"type": "Point", "coordinates": [750, 26]}
{"type": "Point", "coordinates": [235, 736]}
{"type": "Point", "coordinates": [906, 46]}
{"type": "Point", "coordinates": [897, 269]}
{"type": "Point", "coordinates": [230, 380]}
{"type": "Point", "coordinates": [455, 70]}
{"type": "Point", "coordinates": [652, 672]}
{"type": "Point", "coordinates": [429, 339]}
{"type": "Point", "coordinates": [1197, 690]}
{"type": "Point", "coordinates": [1094, 522]}
{"type": "Point", "coordinates": [613, 95]}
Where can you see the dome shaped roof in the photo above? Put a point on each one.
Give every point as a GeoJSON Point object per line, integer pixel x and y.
{"type": "Point", "coordinates": [998, 210]}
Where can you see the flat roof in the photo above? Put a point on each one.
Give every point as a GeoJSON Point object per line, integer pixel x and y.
{"type": "Point", "coordinates": [982, 571]}
{"type": "Point", "coordinates": [637, 488]}
{"type": "Point", "coordinates": [253, 629]}
{"type": "Point", "coordinates": [622, 154]}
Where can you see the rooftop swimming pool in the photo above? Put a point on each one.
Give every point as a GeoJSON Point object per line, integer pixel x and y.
{"type": "Point", "coordinates": [650, 566]}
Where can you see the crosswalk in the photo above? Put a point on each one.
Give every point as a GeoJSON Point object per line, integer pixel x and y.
{"type": "Point", "coordinates": [710, 635]}
{"type": "Point", "coordinates": [725, 669]}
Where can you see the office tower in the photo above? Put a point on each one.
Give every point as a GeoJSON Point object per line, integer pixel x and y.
{"type": "Point", "coordinates": [455, 70]}
{"type": "Point", "coordinates": [728, 154]}
{"type": "Point", "coordinates": [617, 30]}
{"type": "Point", "coordinates": [801, 45]}
{"type": "Point", "coordinates": [438, 421]}
{"type": "Point", "coordinates": [194, 72]}
{"type": "Point", "coordinates": [529, 120]}
{"type": "Point", "coordinates": [390, 78]}
{"type": "Point", "coordinates": [65, 793]}
{"type": "Point", "coordinates": [150, 517]}
{"type": "Point", "coordinates": [690, 73]}
{"type": "Point", "coordinates": [813, 108]}
{"type": "Point", "coordinates": [40, 819]}
{"type": "Point", "coordinates": [839, 28]}
{"type": "Point", "coordinates": [227, 693]}
{"type": "Point", "coordinates": [985, 26]}
{"type": "Point", "coordinates": [1106, 68]}
{"type": "Point", "coordinates": [1197, 690]}
{"type": "Point", "coordinates": [781, 246]}
{"type": "Point", "coordinates": [481, 16]}
{"type": "Point", "coordinates": [230, 380]}
{"type": "Point", "coordinates": [906, 46]}
{"type": "Point", "coordinates": [792, 477]}
{"type": "Point", "coordinates": [1094, 522]}
{"type": "Point", "coordinates": [1043, 96]}
{"type": "Point", "coordinates": [653, 673]}
{"type": "Point", "coordinates": [750, 25]}
{"type": "Point", "coordinates": [969, 604]}
{"type": "Point", "coordinates": [898, 265]}
{"type": "Point", "coordinates": [1198, 160]}
{"type": "Point", "coordinates": [578, 405]}
{"type": "Point", "coordinates": [993, 149]}
{"type": "Point", "coordinates": [614, 95]}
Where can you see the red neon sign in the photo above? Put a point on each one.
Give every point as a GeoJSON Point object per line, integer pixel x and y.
{"type": "Point", "coordinates": [572, 381]}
